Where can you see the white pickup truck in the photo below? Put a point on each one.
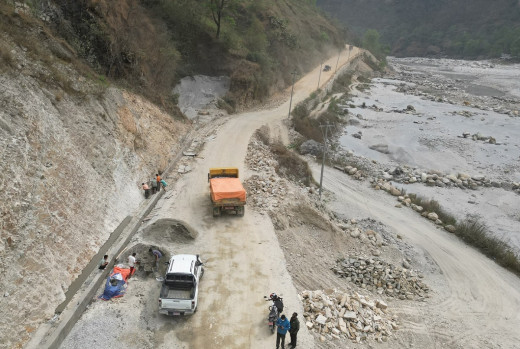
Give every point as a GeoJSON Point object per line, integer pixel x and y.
{"type": "Point", "coordinates": [180, 288]}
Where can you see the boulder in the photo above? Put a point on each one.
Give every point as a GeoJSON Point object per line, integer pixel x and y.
{"type": "Point", "coordinates": [320, 319]}
{"type": "Point", "coordinates": [381, 304]}
{"type": "Point", "coordinates": [355, 233]}
{"type": "Point", "coordinates": [350, 315]}
{"type": "Point", "coordinates": [452, 178]}
{"type": "Point", "coordinates": [311, 147]}
{"type": "Point", "coordinates": [395, 191]}
{"type": "Point", "coordinates": [432, 216]}
{"type": "Point", "coordinates": [382, 148]}
{"type": "Point", "coordinates": [450, 228]}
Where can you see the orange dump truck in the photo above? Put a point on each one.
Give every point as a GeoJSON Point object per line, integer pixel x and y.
{"type": "Point", "coordinates": [226, 191]}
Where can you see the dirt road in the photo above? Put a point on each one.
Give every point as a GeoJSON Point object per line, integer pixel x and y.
{"type": "Point", "coordinates": [476, 303]}
{"type": "Point", "coordinates": [244, 260]}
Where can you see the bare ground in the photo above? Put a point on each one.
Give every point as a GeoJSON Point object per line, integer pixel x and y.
{"type": "Point", "coordinates": [290, 245]}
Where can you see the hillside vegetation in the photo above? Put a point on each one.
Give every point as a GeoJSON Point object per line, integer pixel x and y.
{"type": "Point", "coordinates": [459, 28]}
{"type": "Point", "coordinates": [148, 45]}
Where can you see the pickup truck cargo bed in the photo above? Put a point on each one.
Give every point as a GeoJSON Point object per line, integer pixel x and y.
{"type": "Point", "coordinates": [177, 294]}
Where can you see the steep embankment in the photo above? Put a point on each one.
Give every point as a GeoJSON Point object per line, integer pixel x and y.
{"type": "Point", "coordinates": [73, 153]}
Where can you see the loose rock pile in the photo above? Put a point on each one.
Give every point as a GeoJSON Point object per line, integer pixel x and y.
{"type": "Point", "coordinates": [479, 137]}
{"type": "Point", "coordinates": [266, 190]}
{"type": "Point", "coordinates": [376, 275]}
{"type": "Point", "coordinates": [340, 315]}
{"type": "Point", "coordinates": [437, 178]}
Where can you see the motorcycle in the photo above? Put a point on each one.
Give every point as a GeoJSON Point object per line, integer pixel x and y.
{"type": "Point", "coordinates": [274, 310]}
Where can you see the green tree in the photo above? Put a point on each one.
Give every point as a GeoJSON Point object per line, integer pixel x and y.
{"type": "Point", "coordinates": [217, 8]}
{"type": "Point", "coordinates": [371, 42]}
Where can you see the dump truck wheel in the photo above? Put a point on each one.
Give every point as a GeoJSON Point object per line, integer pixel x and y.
{"type": "Point", "coordinates": [216, 211]}
{"type": "Point", "coordinates": [240, 211]}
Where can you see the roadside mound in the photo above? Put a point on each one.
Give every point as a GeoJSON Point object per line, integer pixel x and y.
{"type": "Point", "coordinates": [169, 230]}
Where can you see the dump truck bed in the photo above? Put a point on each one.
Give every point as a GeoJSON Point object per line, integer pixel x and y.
{"type": "Point", "coordinates": [227, 188]}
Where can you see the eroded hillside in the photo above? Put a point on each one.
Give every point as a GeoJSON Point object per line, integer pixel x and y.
{"type": "Point", "coordinates": [73, 153]}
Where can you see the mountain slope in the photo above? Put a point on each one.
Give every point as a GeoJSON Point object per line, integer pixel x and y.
{"type": "Point", "coordinates": [459, 28]}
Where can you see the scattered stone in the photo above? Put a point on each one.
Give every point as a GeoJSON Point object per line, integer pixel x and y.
{"type": "Point", "coordinates": [450, 228]}
{"type": "Point", "coordinates": [432, 216]}
{"type": "Point", "coordinates": [320, 319]}
{"type": "Point", "coordinates": [353, 316]}
{"type": "Point", "coordinates": [379, 276]}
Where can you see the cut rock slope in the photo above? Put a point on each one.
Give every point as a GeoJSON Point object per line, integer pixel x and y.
{"type": "Point", "coordinates": [71, 169]}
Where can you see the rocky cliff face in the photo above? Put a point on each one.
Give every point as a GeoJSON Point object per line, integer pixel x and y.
{"type": "Point", "coordinates": [72, 158]}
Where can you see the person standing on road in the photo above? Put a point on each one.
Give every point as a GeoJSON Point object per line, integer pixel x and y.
{"type": "Point", "coordinates": [283, 326]}
{"type": "Point", "coordinates": [131, 264]}
{"type": "Point", "coordinates": [157, 255]}
{"type": "Point", "coordinates": [293, 331]}
{"type": "Point", "coordinates": [158, 179]}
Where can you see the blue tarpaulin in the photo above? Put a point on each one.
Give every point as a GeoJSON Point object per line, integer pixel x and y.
{"type": "Point", "coordinates": [115, 285]}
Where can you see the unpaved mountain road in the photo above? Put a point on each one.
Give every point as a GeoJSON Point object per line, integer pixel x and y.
{"type": "Point", "coordinates": [242, 255]}
{"type": "Point", "coordinates": [245, 261]}
{"type": "Point", "coordinates": [475, 303]}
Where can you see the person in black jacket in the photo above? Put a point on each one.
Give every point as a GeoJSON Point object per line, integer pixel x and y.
{"type": "Point", "coordinates": [295, 327]}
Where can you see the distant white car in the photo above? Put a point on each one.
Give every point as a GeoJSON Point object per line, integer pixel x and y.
{"type": "Point", "coordinates": [180, 288]}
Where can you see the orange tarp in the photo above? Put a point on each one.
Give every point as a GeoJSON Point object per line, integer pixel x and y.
{"type": "Point", "coordinates": [227, 188]}
{"type": "Point", "coordinates": [125, 272]}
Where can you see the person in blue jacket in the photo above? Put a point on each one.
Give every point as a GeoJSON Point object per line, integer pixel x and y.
{"type": "Point", "coordinates": [283, 326]}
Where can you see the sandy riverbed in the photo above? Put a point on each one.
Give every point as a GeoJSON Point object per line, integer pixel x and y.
{"type": "Point", "coordinates": [450, 97]}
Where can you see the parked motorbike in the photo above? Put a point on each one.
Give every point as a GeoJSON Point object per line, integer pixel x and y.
{"type": "Point", "coordinates": [274, 310]}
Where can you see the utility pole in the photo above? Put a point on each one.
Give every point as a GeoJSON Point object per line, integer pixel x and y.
{"type": "Point", "coordinates": [339, 54]}
{"type": "Point", "coordinates": [292, 89]}
{"type": "Point", "coordinates": [326, 127]}
{"type": "Point", "coordinates": [319, 76]}
{"type": "Point", "coordinates": [350, 48]}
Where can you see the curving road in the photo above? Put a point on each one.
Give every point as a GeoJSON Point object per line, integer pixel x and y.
{"type": "Point", "coordinates": [476, 303]}
{"type": "Point", "coordinates": [244, 259]}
